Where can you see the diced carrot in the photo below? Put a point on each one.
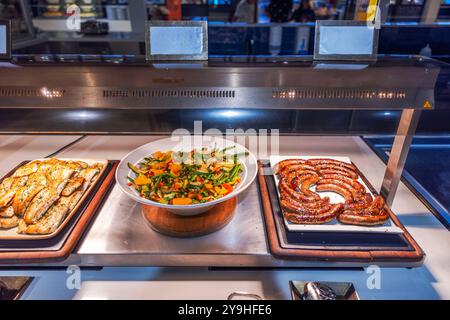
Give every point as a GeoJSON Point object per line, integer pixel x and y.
{"type": "Point", "coordinates": [191, 195]}
{"type": "Point", "coordinates": [181, 201]}
{"type": "Point", "coordinates": [175, 169]}
{"type": "Point", "coordinates": [228, 188]}
{"type": "Point", "coordinates": [156, 172]}
{"type": "Point", "coordinates": [176, 186]}
{"type": "Point", "coordinates": [141, 180]}
{"type": "Point", "coordinates": [158, 154]}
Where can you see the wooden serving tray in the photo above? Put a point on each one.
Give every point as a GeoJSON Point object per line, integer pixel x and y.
{"type": "Point", "coordinates": [321, 246]}
{"type": "Point", "coordinates": [168, 223]}
{"type": "Point", "coordinates": [61, 246]}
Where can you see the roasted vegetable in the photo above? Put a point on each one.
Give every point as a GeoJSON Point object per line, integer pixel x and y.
{"type": "Point", "coordinates": [183, 178]}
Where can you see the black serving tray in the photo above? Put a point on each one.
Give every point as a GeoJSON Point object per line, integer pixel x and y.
{"type": "Point", "coordinates": [56, 242]}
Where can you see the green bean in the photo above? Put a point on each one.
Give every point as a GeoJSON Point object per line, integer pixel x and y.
{"type": "Point", "coordinates": [134, 169]}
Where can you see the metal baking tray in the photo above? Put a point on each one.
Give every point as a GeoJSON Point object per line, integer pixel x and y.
{"type": "Point", "coordinates": [11, 234]}
{"type": "Point", "coordinates": [330, 240]}
{"type": "Point", "coordinates": [388, 227]}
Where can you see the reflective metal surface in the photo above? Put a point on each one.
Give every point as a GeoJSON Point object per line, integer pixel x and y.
{"type": "Point", "coordinates": [120, 237]}
{"type": "Point", "coordinates": [120, 233]}
{"type": "Point", "coordinates": [16, 148]}
{"type": "Point", "coordinates": [398, 84]}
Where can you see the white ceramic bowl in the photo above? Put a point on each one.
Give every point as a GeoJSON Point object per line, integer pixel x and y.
{"type": "Point", "coordinates": [185, 143]}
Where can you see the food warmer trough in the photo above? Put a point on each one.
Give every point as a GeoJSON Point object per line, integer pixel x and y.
{"type": "Point", "coordinates": [118, 236]}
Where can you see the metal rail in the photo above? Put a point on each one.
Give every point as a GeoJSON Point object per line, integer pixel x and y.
{"type": "Point", "coordinates": [397, 158]}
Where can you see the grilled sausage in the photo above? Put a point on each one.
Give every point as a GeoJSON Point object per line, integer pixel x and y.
{"type": "Point", "coordinates": [340, 183]}
{"type": "Point", "coordinates": [324, 217]}
{"type": "Point", "coordinates": [336, 169]}
{"type": "Point", "coordinates": [296, 177]}
{"type": "Point", "coordinates": [364, 201]}
{"type": "Point", "coordinates": [312, 205]}
{"type": "Point", "coordinates": [333, 166]}
{"type": "Point", "coordinates": [285, 163]}
{"type": "Point", "coordinates": [374, 214]}
{"type": "Point", "coordinates": [378, 203]}
{"type": "Point", "coordinates": [335, 188]}
{"type": "Point", "coordinates": [351, 217]}
{"type": "Point", "coordinates": [299, 208]}
{"type": "Point", "coordinates": [354, 183]}
{"type": "Point", "coordinates": [295, 168]}
{"type": "Point", "coordinates": [289, 191]}
{"type": "Point", "coordinates": [331, 171]}
{"type": "Point", "coordinates": [297, 181]}
{"type": "Point", "coordinates": [306, 184]}
{"type": "Point", "coordinates": [319, 161]}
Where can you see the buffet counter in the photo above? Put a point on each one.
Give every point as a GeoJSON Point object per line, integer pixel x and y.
{"type": "Point", "coordinates": [243, 241]}
{"type": "Point", "coordinates": [120, 237]}
{"type": "Point", "coordinates": [257, 246]}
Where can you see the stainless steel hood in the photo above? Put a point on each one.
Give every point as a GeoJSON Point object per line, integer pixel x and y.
{"type": "Point", "coordinates": [387, 84]}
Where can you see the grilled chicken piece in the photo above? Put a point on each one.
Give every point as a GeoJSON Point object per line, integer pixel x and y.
{"type": "Point", "coordinates": [6, 184]}
{"type": "Point", "coordinates": [78, 164]}
{"type": "Point", "coordinates": [7, 196]}
{"type": "Point", "coordinates": [47, 196]}
{"type": "Point", "coordinates": [40, 204]}
{"type": "Point", "coordinates": [46, 165]}
{"type": "Point", "coordinates": [53, 218]}
{"type": "Point", "coordinates": [88, 175]}
{"type": "Point", "coordinates": [8, 223]}
{"type": "Point", "coordinates": [60, 173]}
{"type": "Point", "coordinates": [81, 180]}
{"type": "Point", "coordinates": [52, 164]}
{"type": "Point", "coordinates": [27, 169]}
{"type": "Point", "coordinates": [7, 213]}
{"type": "Point", "coordinates": [73, 184]}
{"type": "Point", "coordinates": [24, 196]}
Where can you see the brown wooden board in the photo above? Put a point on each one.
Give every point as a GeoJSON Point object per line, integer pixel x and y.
{"type": "Point", "coordinates": [174, 225]}
{"type": "Point", "coordinates": [60, 247]}
{"type": "Point", "coordinates": [276, 233]}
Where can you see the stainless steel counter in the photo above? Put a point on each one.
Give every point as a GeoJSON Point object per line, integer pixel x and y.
{"type": "Point", "coordinates": [121, 237]}
{"type": "Point", "coordinates": [109, 237]}
{"type": "Point", "coordinates": [17, 148]}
